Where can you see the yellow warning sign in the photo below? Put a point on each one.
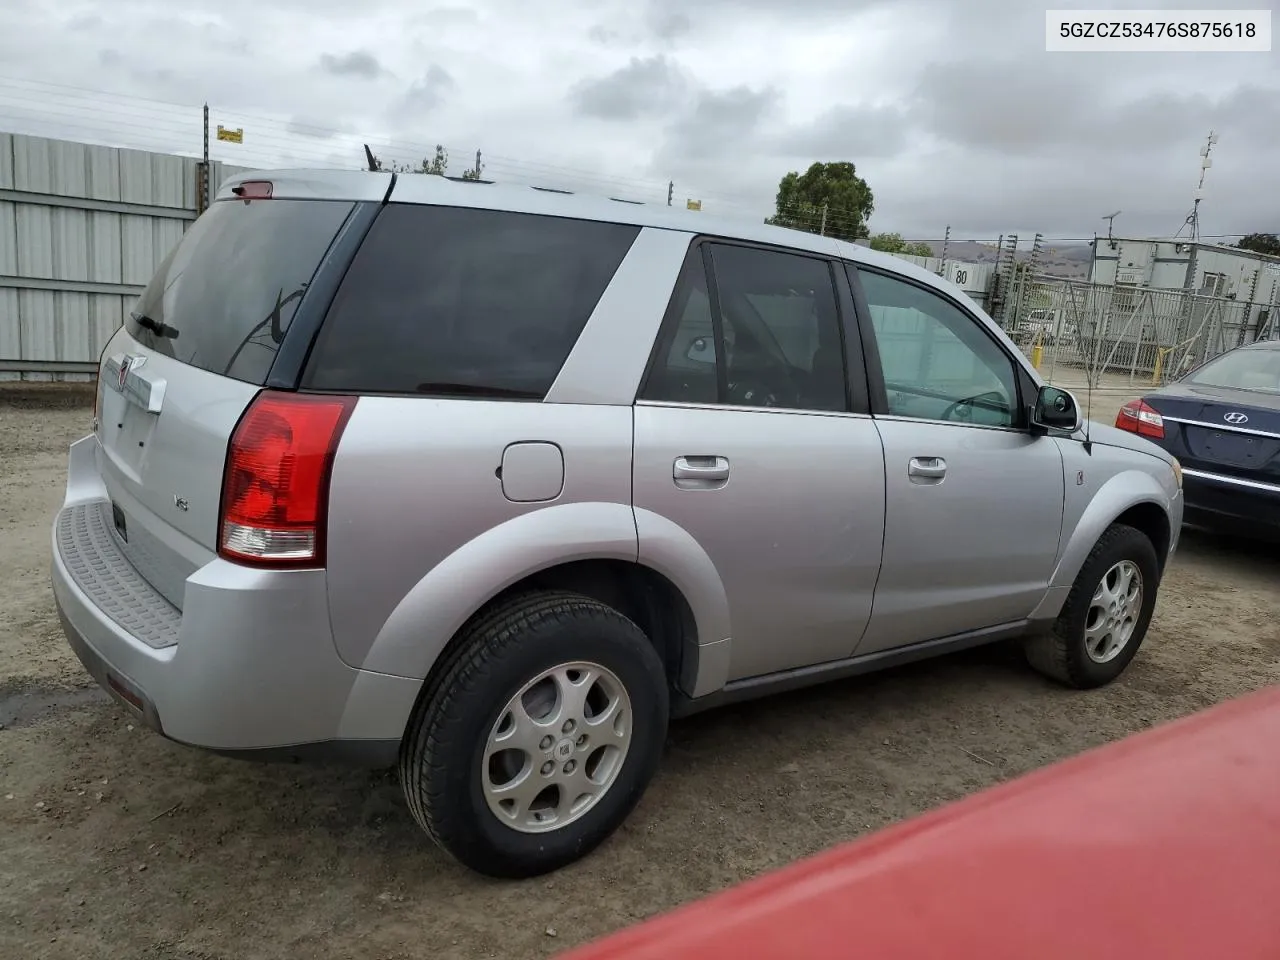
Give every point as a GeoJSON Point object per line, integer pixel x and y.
{"type": "Point", "coordinates": [231, 136]}
{"type": "Point", "coordinates": [693, 204]}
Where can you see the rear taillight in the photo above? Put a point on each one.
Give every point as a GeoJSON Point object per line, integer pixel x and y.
{"type": "Point", "coordinates": [1137, 416]}
{"type": "Point", "coordinates": [275, 489]}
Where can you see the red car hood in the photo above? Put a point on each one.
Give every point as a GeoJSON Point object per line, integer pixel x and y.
{"type": "Point", "coordinates": [1163, 845]}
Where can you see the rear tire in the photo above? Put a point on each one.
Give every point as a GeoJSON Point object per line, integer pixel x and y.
{"type": "Point", "coordinates": [538, 736]}
{"type": "Point", "coordinates": [1105, 618]}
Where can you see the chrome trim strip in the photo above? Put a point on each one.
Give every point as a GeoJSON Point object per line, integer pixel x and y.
{"type": "Point", "coordinates": [674, 405]}
{"type": "Point", "coordinates": [138, 386]}
{"type": "Point", "coordinates": [1228, 428]}
{"type": "Point", "coordinates": [1233, 481]}
{"type": "Point", "coordinates": [883, 418]}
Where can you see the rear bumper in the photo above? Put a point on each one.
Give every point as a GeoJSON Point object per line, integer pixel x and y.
{"type": "Point", "coordinates": [247, 667]}
{"type": "Point", "coordinates": [1231, 504]}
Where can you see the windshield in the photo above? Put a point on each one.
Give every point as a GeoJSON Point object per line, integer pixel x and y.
{"type": "Point", "coordinates": [1255, 369]}
{"type": "Point", "coordinates": [224, 296]}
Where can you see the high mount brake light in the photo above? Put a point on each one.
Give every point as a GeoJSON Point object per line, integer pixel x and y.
{"type": "Point", "coordinates": [1137, 416]}
{"type": "Point", "coordinates": [253, 190]}
{"type": "Point", "coordinates": [275, 489]}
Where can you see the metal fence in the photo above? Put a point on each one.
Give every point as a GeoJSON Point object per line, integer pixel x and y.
{"type": "Point", "coordinates": [1104, 334]}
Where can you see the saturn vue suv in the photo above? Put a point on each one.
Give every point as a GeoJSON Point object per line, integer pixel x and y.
{"type": "Point", "coordinates": [489, 483]}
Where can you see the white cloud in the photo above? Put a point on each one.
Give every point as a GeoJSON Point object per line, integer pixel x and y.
{"type": "Point", "coordinates": [952, 110]}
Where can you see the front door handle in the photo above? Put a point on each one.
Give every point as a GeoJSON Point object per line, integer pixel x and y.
{"type": "Point", "coordinates": [926, 469]}
{"type": "Point", "coordinates": [700, 472]}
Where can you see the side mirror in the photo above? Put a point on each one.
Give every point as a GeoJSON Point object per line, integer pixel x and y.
{"type": "Point", "coordinates": [1056, 409]}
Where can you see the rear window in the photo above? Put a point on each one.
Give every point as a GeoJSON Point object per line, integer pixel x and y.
{"type": "Point", "coordinates": [225, 295]}
{"type": "Point", "coordinates": [1253, 369]}
{"type": "Point", "coordinates": [446, 301]}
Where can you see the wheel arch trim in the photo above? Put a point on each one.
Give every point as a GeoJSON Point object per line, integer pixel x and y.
{"type": "Point", "coordinates": [410, 642]}
{"type": "Point", "coordinates": [1128, 489]}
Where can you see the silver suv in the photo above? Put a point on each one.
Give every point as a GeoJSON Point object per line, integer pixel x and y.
{"type": "Point", "coordinates": [491, 482]}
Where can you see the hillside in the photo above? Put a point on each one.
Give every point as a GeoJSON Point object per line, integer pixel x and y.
{"type": "Point", "coordinates": [1069, 260]}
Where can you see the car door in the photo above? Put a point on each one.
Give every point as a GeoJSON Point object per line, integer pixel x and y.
{"type": "Point", "coordinates": [750, 438]}
{"type": "Point", "coordinates": [973, 500]}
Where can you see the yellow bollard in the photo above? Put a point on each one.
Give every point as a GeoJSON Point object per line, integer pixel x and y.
{"type": "Point", "coordinates": [1037, 354]}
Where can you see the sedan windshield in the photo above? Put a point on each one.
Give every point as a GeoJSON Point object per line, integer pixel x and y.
{"type": "Point", "coordinates": [1242, 370]}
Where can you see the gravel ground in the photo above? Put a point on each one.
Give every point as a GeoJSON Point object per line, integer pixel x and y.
{"type": "Point", "coordinates": [115, 843]}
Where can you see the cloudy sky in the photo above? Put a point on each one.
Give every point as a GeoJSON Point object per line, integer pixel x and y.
{"type": "Point", "coordinates": [951, 109]}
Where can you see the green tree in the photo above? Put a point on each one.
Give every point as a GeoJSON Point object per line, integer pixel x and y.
{"type": "Point", "coordinates": [1261, 243]}
{"type": "Point", "coordinates": [828, 197]}
{"type": "Point", "coordinates": [437, 165]}
{"type": "Point", "coordinates": [893, 243]}
{"type": "Point", "coordinates": [887, 242]}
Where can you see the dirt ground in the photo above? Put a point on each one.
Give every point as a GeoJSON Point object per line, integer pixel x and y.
{"type": "Point", "coordinates": [115, 843]}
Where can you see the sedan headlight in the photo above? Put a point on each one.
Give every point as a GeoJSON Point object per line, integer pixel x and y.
{"type": "Point", "coordinates": [1177, 472]}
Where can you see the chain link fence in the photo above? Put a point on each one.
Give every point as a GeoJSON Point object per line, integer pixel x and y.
{"type": "Point", "coordinates": [1102, 334]}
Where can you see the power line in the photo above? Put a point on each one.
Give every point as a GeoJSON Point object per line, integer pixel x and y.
{"type": "Point", "coordinates": [289, 138]}
{"type": "Point", "coordinates": [287, 129]}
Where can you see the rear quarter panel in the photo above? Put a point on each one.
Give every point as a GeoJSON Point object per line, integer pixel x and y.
{"type": "Point", "coordinates": [421, 533]}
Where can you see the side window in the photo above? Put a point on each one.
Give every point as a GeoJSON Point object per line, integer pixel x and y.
{"type": "Point", "coordinates": [451, 301]}
{"type": "Point", "coordinates": [779, 332]}
{"type": "Point", "coordinates": [685, 370]}
{"type": "Point", "coordinates": [938, 362]}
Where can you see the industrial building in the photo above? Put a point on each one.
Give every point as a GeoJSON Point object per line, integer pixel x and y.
{"type": "Point", "coordinates": [1204, 269]}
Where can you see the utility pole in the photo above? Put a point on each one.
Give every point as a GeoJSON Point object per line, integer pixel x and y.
{"type": "Point", "coordinates": [202, 200]}
{"type": "Point", "coordinates": [1034, 263]}
{"type": "Point", "coordinates": [822, 229]}
{"type": "Point", "coordinates": [671, 189]}
{"type": "Point", "coordinates": [1247, 316]}
{"type": "Point", "coordinates": [946, 240]}
{"type": "Point", "coordinates": [1008, 274]}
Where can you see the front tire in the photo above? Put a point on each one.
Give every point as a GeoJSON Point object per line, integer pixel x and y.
{"type": "Point", "coordinates": [538, 736]}
{"type": "Point", "coordinates": [1105, 618]}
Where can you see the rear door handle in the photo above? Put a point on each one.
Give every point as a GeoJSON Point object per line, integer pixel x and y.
{"type": "Point", "coordinates": [700, 471]}
{"type": "Point", "coordinates": [926, 468]}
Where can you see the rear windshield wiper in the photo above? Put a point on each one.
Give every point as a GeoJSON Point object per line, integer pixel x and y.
{"type": "Point", "coordinates": [477, 390]}
{"type": "Point", "coordinates": [158, 327]}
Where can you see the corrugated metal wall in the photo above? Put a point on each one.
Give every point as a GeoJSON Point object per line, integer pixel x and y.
{"type": "Point", "coordinates": [82, 228]}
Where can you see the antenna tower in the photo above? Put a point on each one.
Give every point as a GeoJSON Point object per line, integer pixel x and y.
{"type": "Point", "coordinates": [1193, 220]}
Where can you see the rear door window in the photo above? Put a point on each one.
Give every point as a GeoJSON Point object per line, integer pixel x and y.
{"type": "Point", "coordinates": [225, 295]}
{"type": "Point", "coordinates": [448, 301]}
{"type": "Point", "coordinates": [780, 343]}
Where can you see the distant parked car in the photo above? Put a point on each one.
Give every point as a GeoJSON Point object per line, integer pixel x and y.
{"type": "Point", "coordinates": [492, 482]}
{"type": "Point", "coordinates": [1164, 844]}
{"type": "Point", "coordinates": [1222, 421]}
